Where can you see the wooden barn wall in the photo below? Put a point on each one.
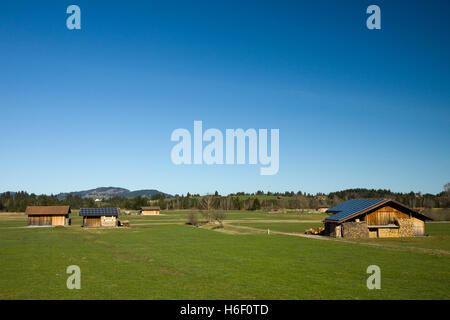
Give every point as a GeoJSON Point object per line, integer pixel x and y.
{"type": "Point", "coordinates": [58, 220]}
{"type": "Point", "coordinates": [373, 233]}
{"type": "Point", "coordinates": [39, 220]}
{"type": "Point", "coordinates": [419, 227]}
{"type": "Point", "coordinates": [384, 216]}
{"type": "Point", "coordinates": [33, 220]}
{"type": "Point", "coordinates": [149, 212]}
{"type": "Point", "coordinates": [388, 233]}
{"type": "Point", "coordinates": [91, 221]}
{"type": "Point", "coordinates": [103, 221]}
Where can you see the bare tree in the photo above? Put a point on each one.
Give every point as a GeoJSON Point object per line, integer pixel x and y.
{"type": "Point", "coordinates": [447, 189]}
{"type": "Point", "coordinates": [207, 202]}
{"type": "Point", "coordinates": [193, 219]}
{"type": "Point", "coordinates": [219, 216]}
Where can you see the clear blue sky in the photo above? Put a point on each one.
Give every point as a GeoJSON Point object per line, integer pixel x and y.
{"type": "Point", "coordinates": [96, 107]}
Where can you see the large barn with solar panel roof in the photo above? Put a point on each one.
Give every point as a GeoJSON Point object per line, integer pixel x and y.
{"type": "Point", "coordinates": [100, 217]}
{"type": "Point", "coordinates": [373, 218]}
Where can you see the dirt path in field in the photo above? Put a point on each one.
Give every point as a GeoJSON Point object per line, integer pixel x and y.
{"type": "Point", "coordinates": [154, 223]}
{"type": "Point", "coordinates": [302, 235]}
{"type": "Point", "coordinates": [146, 223]}
{"type": "Point", "coordinates": [379, 245]}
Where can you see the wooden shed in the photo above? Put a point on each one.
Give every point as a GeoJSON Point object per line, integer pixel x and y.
{"type": "Point", "coordinates": [100, 217]}
{"type": "Point", "coordinates": [48, 215]}
{"type": "Point", "coordinates": [374, 218]}
{"type": "Point", "coordinates": [149, 211]}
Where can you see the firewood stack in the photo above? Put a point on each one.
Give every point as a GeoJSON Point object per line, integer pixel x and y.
{"type": "Point", "coordinates": [316, 231]}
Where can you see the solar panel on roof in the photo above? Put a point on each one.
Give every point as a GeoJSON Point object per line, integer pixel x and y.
{"type": "Point", "coordinates": [350, 207]}
{"type": "Point", "coordinates": [99, 211]}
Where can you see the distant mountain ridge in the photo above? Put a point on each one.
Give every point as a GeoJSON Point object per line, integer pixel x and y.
{"type": "Point", "coordinates": [109, 192]}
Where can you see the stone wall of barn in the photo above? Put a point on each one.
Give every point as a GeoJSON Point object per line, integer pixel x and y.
{"type": "Point", "coordinates": [355, 229]}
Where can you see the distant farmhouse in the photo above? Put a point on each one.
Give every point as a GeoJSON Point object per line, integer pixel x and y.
{"type": "Point", "coordinates": [100, 217]}
{"type": "Point", "coordinates": [48, 215]}
{"type": "Point", "coordinates": [374, 218]}
{"type": "Point", "coordinates": [322, 209]}
{"type": "Point", "coordinates": [149, 211]}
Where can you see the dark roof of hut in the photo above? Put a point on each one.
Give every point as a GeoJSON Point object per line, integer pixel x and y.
{"type": "Point", "coordinates": [150, 208]}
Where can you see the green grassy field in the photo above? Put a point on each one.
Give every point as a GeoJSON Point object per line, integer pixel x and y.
{"type": "Point", "coordinates": [160, 257]}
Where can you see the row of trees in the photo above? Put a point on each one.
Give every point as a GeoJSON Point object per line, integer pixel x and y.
{"type": "Point", "coordinates": [19, 201]}
{"type": "Point", "coordinates": [238, 201]}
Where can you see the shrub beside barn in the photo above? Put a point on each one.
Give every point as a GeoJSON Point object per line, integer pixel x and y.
{"type": "Point", "coordinates": [373, 218]}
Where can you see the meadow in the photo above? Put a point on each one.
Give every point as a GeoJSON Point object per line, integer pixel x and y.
{"type": "Point", "coordinates": [161, 257]}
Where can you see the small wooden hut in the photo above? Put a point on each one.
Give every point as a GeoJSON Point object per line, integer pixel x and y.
{"type": "Point", "coordinates": [100, 217]}
{"type": "Point", "coordinates": [149, 211]}
{"type": "Point", "coordinates": [48, 215]}
{"type": "Point", "coordinates": [374, 218]}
